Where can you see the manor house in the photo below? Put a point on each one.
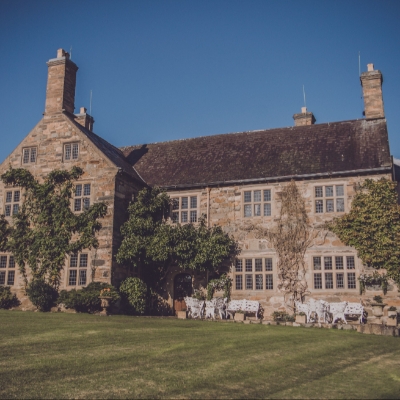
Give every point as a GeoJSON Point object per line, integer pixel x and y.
{"type": "Point", "coordinates": [234, 179]}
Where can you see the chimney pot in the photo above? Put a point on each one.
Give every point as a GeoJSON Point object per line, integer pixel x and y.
{"type": "Point", "coordinates": [303, 110]}
{"type": "Point", "coordinates": [82, 110]}
{"type": "Point", "coordinates": [370, 67]}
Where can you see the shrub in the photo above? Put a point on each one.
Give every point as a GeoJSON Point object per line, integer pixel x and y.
{"type": "Point", "coordinates": [41, 294]}
{"type": "Point", "coordinates": [133, 292]}
{"type": "Point", "coordinates": [282, 316]}
{"type": "Point", "coordinates": [87, 299]}
{"type": "Point", "coordinates": [392, 308]}
{"type": "Point", "coordinates": [378, 299]}
{"type": "Point", "coordinates": [7, 299]}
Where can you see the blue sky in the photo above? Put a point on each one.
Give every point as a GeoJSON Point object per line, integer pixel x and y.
{"type": "Point", "coordinates": [165, 70]}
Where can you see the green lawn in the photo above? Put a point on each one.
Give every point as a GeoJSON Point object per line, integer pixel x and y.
{"type": "Point", "coordinates": [59, 355]}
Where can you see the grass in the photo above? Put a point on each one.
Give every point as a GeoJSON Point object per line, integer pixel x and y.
{"type": "Point", "coordinates": [60, 355]}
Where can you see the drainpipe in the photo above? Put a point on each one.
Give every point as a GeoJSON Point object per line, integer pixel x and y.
{"type": "Point", "coordinates": [208, 207]}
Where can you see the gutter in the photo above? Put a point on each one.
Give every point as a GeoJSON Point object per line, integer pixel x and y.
{"type": "Point", "coordinates": [283, 178]}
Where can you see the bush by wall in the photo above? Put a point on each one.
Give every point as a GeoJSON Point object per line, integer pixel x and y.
{"type": "Point", "coordinates": [7, 299]}
{"type": "Point", "coordinates": [134, 295]}
{"type": "Point", "coordinates": [41, 294]}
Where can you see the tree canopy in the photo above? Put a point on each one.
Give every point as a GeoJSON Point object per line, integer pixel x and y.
{"type": "Point", "coordinates": [45, 230]}
{"type": "Point", "coordinates": [150, 242]}
{"type": "Point", "coordinates": [372, 226]}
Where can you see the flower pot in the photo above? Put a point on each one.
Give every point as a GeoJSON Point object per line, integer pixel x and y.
{"type": "Point", "coordinates": [239, 317]}
{"type": "Point", "coordinates": [105, 304]}
{"type": "Point", "coordinates": [181, 314]}
{"type": "Point", "coordinates": [377, 309]}
{"type": "Point", "coordinates": [300, 319]}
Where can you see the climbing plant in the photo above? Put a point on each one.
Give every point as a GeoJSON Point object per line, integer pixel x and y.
{"type": "Point", "coordinates": [372, 226]}
{"type": "Point", "coordinates": [222, 283]}
{"type": "Point", "coordinates": [45, 230]}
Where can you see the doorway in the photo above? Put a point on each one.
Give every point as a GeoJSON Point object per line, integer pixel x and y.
{"type": "Point", "coordinates": [182, 288]}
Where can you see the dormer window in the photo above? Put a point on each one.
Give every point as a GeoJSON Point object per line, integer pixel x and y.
{"type": "Point", "coordinates": [71, 151]}
{"type": "Point", "coordinates": [29, 155]}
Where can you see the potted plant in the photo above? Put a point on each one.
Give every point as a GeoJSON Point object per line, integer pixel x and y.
{"type": "Point", "coordinates": [240, 315]}
{"type": "Point", "coordinates": [392, 316]}
{"type": "Point", "coordinates": [377, 306]}
{"type": "Point", "coordinates": [181, 314]}
{"type": "Point", "coordinates": [106, 296]}
{"type": "Point", "coordinates": [392, 310]}
{"type": "Point", "coordinates": [301, 318]}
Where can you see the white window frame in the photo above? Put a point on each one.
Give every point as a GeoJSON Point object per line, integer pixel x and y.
{"type": "Point", "coordinates": [8, 269]}
{"type": "Point", "coordinates": [81, 197]}
{"type": "Point", "coordinates": [326, 200]}
{"type": "Point", "coordinates": [29, 152]}
{"type": "Point", "coordinates": [185, 209]}
{"type": "Point", "coordinates": [253, 266]}
{"type": "Point", "coordinates": [71, 151]}
{"type": "Point", "coordinates": [256, 202]}
{"type": "Point", "coordinates": [13, 204]}
{"type": "Point", "coordinates": [78, 265]}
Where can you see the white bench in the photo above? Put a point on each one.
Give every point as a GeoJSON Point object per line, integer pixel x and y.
{"type": "Point", "coordinates": [195, 307]}
{"type": "Point", "coordinates": [217, 304]}
{"type": "Point", "coordinates": [247, 306]}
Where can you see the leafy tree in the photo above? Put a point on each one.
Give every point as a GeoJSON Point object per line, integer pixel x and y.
{"type": "Point", "coordinates": [45, 230]}
{"type": "Point", "coordinates": [372, 226]}
{"type": "Point", "coordinates": [154, 245]}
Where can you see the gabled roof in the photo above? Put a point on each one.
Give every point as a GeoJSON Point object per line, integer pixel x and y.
{"type": "Point", "coordinates": [322, 149]}
{"type": "Point", "coordinates": [114, 154]}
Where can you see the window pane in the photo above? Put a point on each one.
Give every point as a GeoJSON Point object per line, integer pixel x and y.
{"type": "Point", "coordinates": [267, 209]}
{"type": "Point", "coordinates": [339, 262]}
{"type": "Point", "coordinates": [86, 203]}
{"type": "Point", "coordinates": [239, 266]}
{"type": "Point", "coordinates": [317, 262]}
{"type": "Point", "coordinates": [175, 217]}
{"type": "Point", "coordinates": [193, 202]}
{"type": "Point", "coordinates": [8, 197]}
{"type": "Point", "coordinates": [339, 190]}
{"type": "Point", "coordinates": [75, 151]}
{"type": "Point", "coordinates": [3, 261]}
{"type": "Point", "coordinates": [268, 264]}
{"type": "Point", "coordinates": [247, 197]}
{"type": "Point", "coordinates": [26, 156]}
{"type": "Point", "coordinates": [257, 210]}
{"type": "Point", "coordinates": [318, 191]}
{"type": "Point", "coordinates": [247, 211]}
{"type": "Point", "coordinates": [11, 277]}
{"type": "Point", "coordinates": [86, 189]}
{"type": "Point", "coordinates": [11, 262]}
{"type": "Point", "coordinates": [17, 196]}
{"type": "Point", "coordinates": [340, 205]}
{"type": "Point", "coordinates": [83, 260]}
{"type": "Point", "coordinates": [257, 195]}
{"type": "Point", "coordinates": [329, 191]}
{"type": "Point", "coordinates": [184, 203]}
{"type": "Point", "coordinates": [82, 277]}
{"type": "Point", "coordinates": [77, 205]}
{"type": "Point", "coordinates": [193, 216]}
{"type": "Point", "coordinates": [73, 262]}
{"type": "Point", "coordinates": [15, 209]}
{"type": "Point", "coordinates": [339, 281]}
{"type": "Point", "coordinates": [33, 155]}
{"type": "Point", "coordinates": [269, 282]}
{"type": "Point", "coordinates": [249, 282]}
{"type": "Point", "coordinates": [7, 210]}
{"type": "Point", "coordinates": [317, 281]}
{"type": "Point", "coordinates": [175, 204]}
{"type": "Point", "coordinates": [350, 262]}
{"type": "Point", "coordinates": [259, 282]}
{"type": "Point", "coordinates": [267, 195]}
{"type": "Point", "coordinates": [328, 262]}
{"type": "Point", "coordinates": [72, 278]}
{"type": "Point", "coordinates": [239, 282]}
{"type": "Point", "coordinates": [258, 264]}
{"type": "Point", "coordinates": [184, 216]}
{"type": "Point", "coordinates": [351, 280]}
{"type": "Point", "coordinates": [2, 277]}
{"type": "Point", "coordinates": [329, 280]}
{"type": "Point", "coordinates": [249, 265]}
{"type": "Point", "coordinates": [319, 206]}
{"type": "Point", "coordinates": [329, 206]}
{"type": "Point", "coordinates": [67, 152]}
{"type": "Point", "coordinates": [78, 190]}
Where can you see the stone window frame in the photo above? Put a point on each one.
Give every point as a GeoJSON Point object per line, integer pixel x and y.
{"type": "Point", "coordinates": [68, 151]}
{"type": "Point", "coordinates": [77, 271]}
{"type": "Point", "coordinates": [185, 208]}
{"type": "Point", "coordinates": [12, 204]}
{"type": "Point", "coordinates": [29, 151]}
{"type": "Point", "coordinates": [321, 197]}
{"type": "Point", "coordinates": [247, 272]}
{"type": "Point", "coordinates": [8, 269]}
{"type": "Point", "coordinates": [260, 198]}
{"type": "Point", "coordinates": [334, 268]}
{"type": "Point", "coordinates": [83, 197]}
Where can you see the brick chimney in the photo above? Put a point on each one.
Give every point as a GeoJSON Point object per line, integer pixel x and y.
{"type": "Point", "coordinates": [371, 82]}
{"type": "Point", "coordinates": [304, 118]}
{"type": "Point", "coordinates": [85, 119]}
{"type": "Point", "coordinates": [61, 80]}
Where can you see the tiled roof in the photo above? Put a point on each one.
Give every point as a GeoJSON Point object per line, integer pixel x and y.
{"type": "Point", "coordinates": [330, 148]}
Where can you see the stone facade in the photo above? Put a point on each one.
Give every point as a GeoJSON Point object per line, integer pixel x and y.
{"type": "Point", "coordinates": [233, 179]}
